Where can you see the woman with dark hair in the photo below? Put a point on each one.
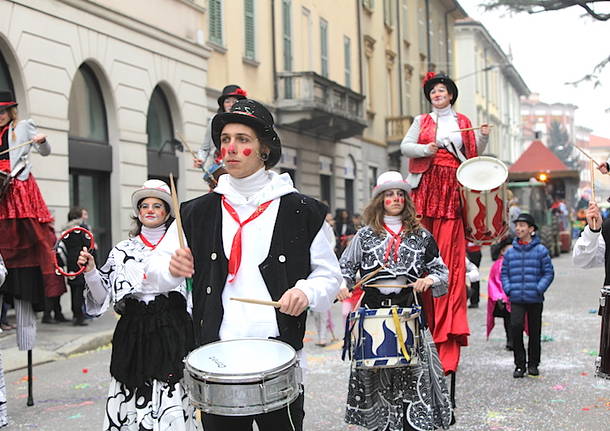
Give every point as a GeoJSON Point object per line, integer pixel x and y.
{"type": "Point", "coordinates": [27, 236]}
{"type": "Point", "coordinates": [436, 144]}
{"type": "Point", "coordinates": [403, 253]}
{"type": "Point", "coordinates": [155, 331]}
{"type": "Point", "coordinates": [206, 154]}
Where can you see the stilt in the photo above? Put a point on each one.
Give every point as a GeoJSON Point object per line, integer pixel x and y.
{"type": "Point", "coordinates": [30, 378]}
{"type": "Point", "coordinates": [452, 397]}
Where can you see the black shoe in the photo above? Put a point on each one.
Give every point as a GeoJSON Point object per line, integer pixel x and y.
{"type": "Point", "coordinates": [509, 347]}
{"type": "Point", "coordinates": [473, 305]}
{"type": "Point", "coordinates": [47, 319]}
{"type": "Point", "coordinates": [532, 370]}
{"type": "Point", "coordinates": [59, 318]}
{"type": "Point", "coordinates": [519, 372]}
{"type": "Point", "coordinates": [79, 322]}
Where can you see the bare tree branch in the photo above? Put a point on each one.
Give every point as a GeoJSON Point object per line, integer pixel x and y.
{"type": "Point", "coordinates": [537, 6]}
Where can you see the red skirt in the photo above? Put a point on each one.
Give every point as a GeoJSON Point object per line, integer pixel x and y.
{"type": "Point", "coordinates": [23, 200]}
{"type": "Point", "coordinates": [27, 237]}
{"type": "Point", "coordinates": [438, 193]}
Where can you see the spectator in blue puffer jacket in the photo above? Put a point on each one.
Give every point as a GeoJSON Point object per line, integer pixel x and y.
{"type": "Point", "coordinates": [527, 272]}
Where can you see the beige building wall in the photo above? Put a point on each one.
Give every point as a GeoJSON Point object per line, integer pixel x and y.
{"type": "Point", "coordinates": [45, 43]}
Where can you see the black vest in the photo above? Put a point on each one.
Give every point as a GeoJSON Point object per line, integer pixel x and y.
{"type": "Point", "coordinates": [606, 236]}
{"type": "Point", "coordinates": [299, 220]}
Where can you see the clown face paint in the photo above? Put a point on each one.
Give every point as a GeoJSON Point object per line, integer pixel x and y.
{"type": "Point", "coordinates": [393, 202]}
{"type": "Point", "coordinates": [238, 144]}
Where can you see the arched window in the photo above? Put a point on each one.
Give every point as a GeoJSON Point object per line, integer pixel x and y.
{"type": "Point", "coordinates": [6, 83]}
{"type": "Point", "coordinates": [161, 144]}
{"type": "Point", "coordinates": [90, 155]}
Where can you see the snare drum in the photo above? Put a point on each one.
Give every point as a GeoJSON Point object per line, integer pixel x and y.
{"type": "Point", "coordinates": [242, 377]}
{"type": "Point", "coordinates": [483, 195]}
{"type": "Point", "coordinates": [384, 337]}
{"type": "Point", "coordinates": [602, 362]}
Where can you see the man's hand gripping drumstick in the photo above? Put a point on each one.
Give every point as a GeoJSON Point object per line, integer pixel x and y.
{"type": "Point", "coordinates": [594, 216]}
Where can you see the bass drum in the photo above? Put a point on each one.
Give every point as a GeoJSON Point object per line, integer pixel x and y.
{"type": "Point", "coordinates": [483, 194]}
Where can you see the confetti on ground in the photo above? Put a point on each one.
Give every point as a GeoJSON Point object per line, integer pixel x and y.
{"type": "Point", "coordinates": [559, 387]}
{"type": "Point", "coordinates": [68, 406]}
{"type": "Point", "coordinates": [76, 416]}
{"type": "Point", "coordinates": [546, 338]}
{"type": "Point", "coordinates": [81, 386]}
{"type": "Point", "coordinates": [592, 353]}
{"type": "Point", "coordinates": [593, 311]}
{"type": "Point", "coordinates": [584, 374]}
{"type": "Point", "coordinates": [85, 370]}
{"type": "Point", "coordinates": [558, 401]}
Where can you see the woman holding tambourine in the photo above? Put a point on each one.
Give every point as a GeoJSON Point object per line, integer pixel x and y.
{"type": "Point", "coordinates": [155, 330]}
{"type": "Point", "coordinates": [395, 253]}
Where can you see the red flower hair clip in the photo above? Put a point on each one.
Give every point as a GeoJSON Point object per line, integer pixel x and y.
{"type": "Point", "coordinates": [241, 92]}
{"type": "Point", "coordinates": [428, 77]}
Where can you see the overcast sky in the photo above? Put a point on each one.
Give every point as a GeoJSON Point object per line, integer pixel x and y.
{"type": "Point", "coordinates": [552, 48]}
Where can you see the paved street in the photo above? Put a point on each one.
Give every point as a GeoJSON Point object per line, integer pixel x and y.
{"type": "Point", "coordinates": [69, 393]}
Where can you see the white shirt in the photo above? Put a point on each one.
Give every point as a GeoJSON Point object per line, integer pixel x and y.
{"type": "Point", "coordinates": [589, 250]}
{"type": "Point", "coordinates": [320, 287]}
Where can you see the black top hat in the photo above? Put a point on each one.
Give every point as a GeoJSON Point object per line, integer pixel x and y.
{"type": "Point", "coordinates": [496, 248]}
{"type": "Point", "coordinates": [7, 100]}
{"type": "Point", "coordinates": [232, 91]}
{"type": "Point", "coordinates": [255, 115]}
{"type": "Point", "coordinates": [527, 218]}
{"type": "Point", "coordinates": [431, 79]}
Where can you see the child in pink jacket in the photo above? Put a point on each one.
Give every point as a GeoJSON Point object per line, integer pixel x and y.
{"type": "Point", "coordinates": [498, 304]}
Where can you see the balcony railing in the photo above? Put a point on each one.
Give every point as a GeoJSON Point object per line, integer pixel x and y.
{"type": "Point", "coordinates": [308, 101]}
{"type": "Point", "coordinates": [396, 127]}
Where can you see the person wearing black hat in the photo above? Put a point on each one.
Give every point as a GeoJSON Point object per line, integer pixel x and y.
{"type": "Point", "coordinates": [27, 236]}
{"type": "Point", "coordinates": [436, 146]}
{"type": "Point", "coordinates": [527, 272]}
{"type": "Point", "coordinates": [498, 304]}
{"type": "Point", "coordinates": [206, 155]}
{"type": "Point", "coordinates": [254, 237]}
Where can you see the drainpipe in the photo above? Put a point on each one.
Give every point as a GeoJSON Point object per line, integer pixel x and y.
{"type": "Point", "coordinates": [399, 48]}
{"type": "Point", "coordinates": [448, 50]}
{"type": "Point", "coordinates": [360, 57]}
{"type": "Point", "coordinates": [273, 58]}
{"type": "Point", "coordinates": [429, 50]}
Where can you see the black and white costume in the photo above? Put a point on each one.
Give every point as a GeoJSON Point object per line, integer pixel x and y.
{"type": "Point", "coordinates": [145, 392]}
{"type": "Point", "coordinates": [404, 398]}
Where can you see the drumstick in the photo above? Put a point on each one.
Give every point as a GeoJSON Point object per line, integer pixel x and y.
{"type": "Point", "coordinates": [586, 155]}
{"type": "Point", "coordinates": [257, 301]}
{"type": "Point", "coordinates": [592, 188]}
{"type": "Point", "coordinates": [471, 128]}
{"type": "Point", "coordinates": [23, 144]}
{"type": "Point", "coordinates": [188, 147]}
{"type": "Point", "coordinates": [176, 210]}
{"type": "Point", "coordinates": [396, 286]}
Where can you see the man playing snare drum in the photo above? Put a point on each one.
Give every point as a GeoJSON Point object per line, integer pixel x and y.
{"type": "Point", "coordinates": [254, 237]}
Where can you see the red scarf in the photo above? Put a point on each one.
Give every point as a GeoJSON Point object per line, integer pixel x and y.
{"type": "Point", "coordinates": [393, 243]}
{"type": "Point", "coordinates": [149, 244]}
{"type": "Point", "coordinates": [235, 258]}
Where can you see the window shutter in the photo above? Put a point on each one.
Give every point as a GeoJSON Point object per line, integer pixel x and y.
{"type": "Point", "coordinates": [324, 47]}
{"type": "Point", "coordinates": [249, 29]}
{"type": "Point", "coordinates": [215, 21]}
{"type": "Point", "coordinates": [347, 54]}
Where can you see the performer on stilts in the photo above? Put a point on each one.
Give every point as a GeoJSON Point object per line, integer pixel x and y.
{"type": "Point", "coordinates": [3, 407]}
{"type": "Point", "coordinates": [26, 232]}
{"type": "Point", "coordinates": [436, 146]}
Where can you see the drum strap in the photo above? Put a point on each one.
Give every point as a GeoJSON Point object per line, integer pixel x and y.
{"type": "Point", "coordinates": [401, 339]}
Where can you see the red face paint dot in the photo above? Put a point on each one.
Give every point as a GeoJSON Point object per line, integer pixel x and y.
{"type": "Point", "coordinates": [388, 202]}
{"type": "Point", "coordinates": [223, 152]}
{"type": "Point", "coordinates": [247, 152]}
{"type": "Point", "coordinates": [232, 148]}
{"type": "Point", "coordinates": [85, 370]}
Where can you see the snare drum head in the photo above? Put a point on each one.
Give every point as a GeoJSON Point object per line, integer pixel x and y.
{"type": "Point", "coordinates": [482, 173]}
{"type": "Point", "coordinates": [236, 359]}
